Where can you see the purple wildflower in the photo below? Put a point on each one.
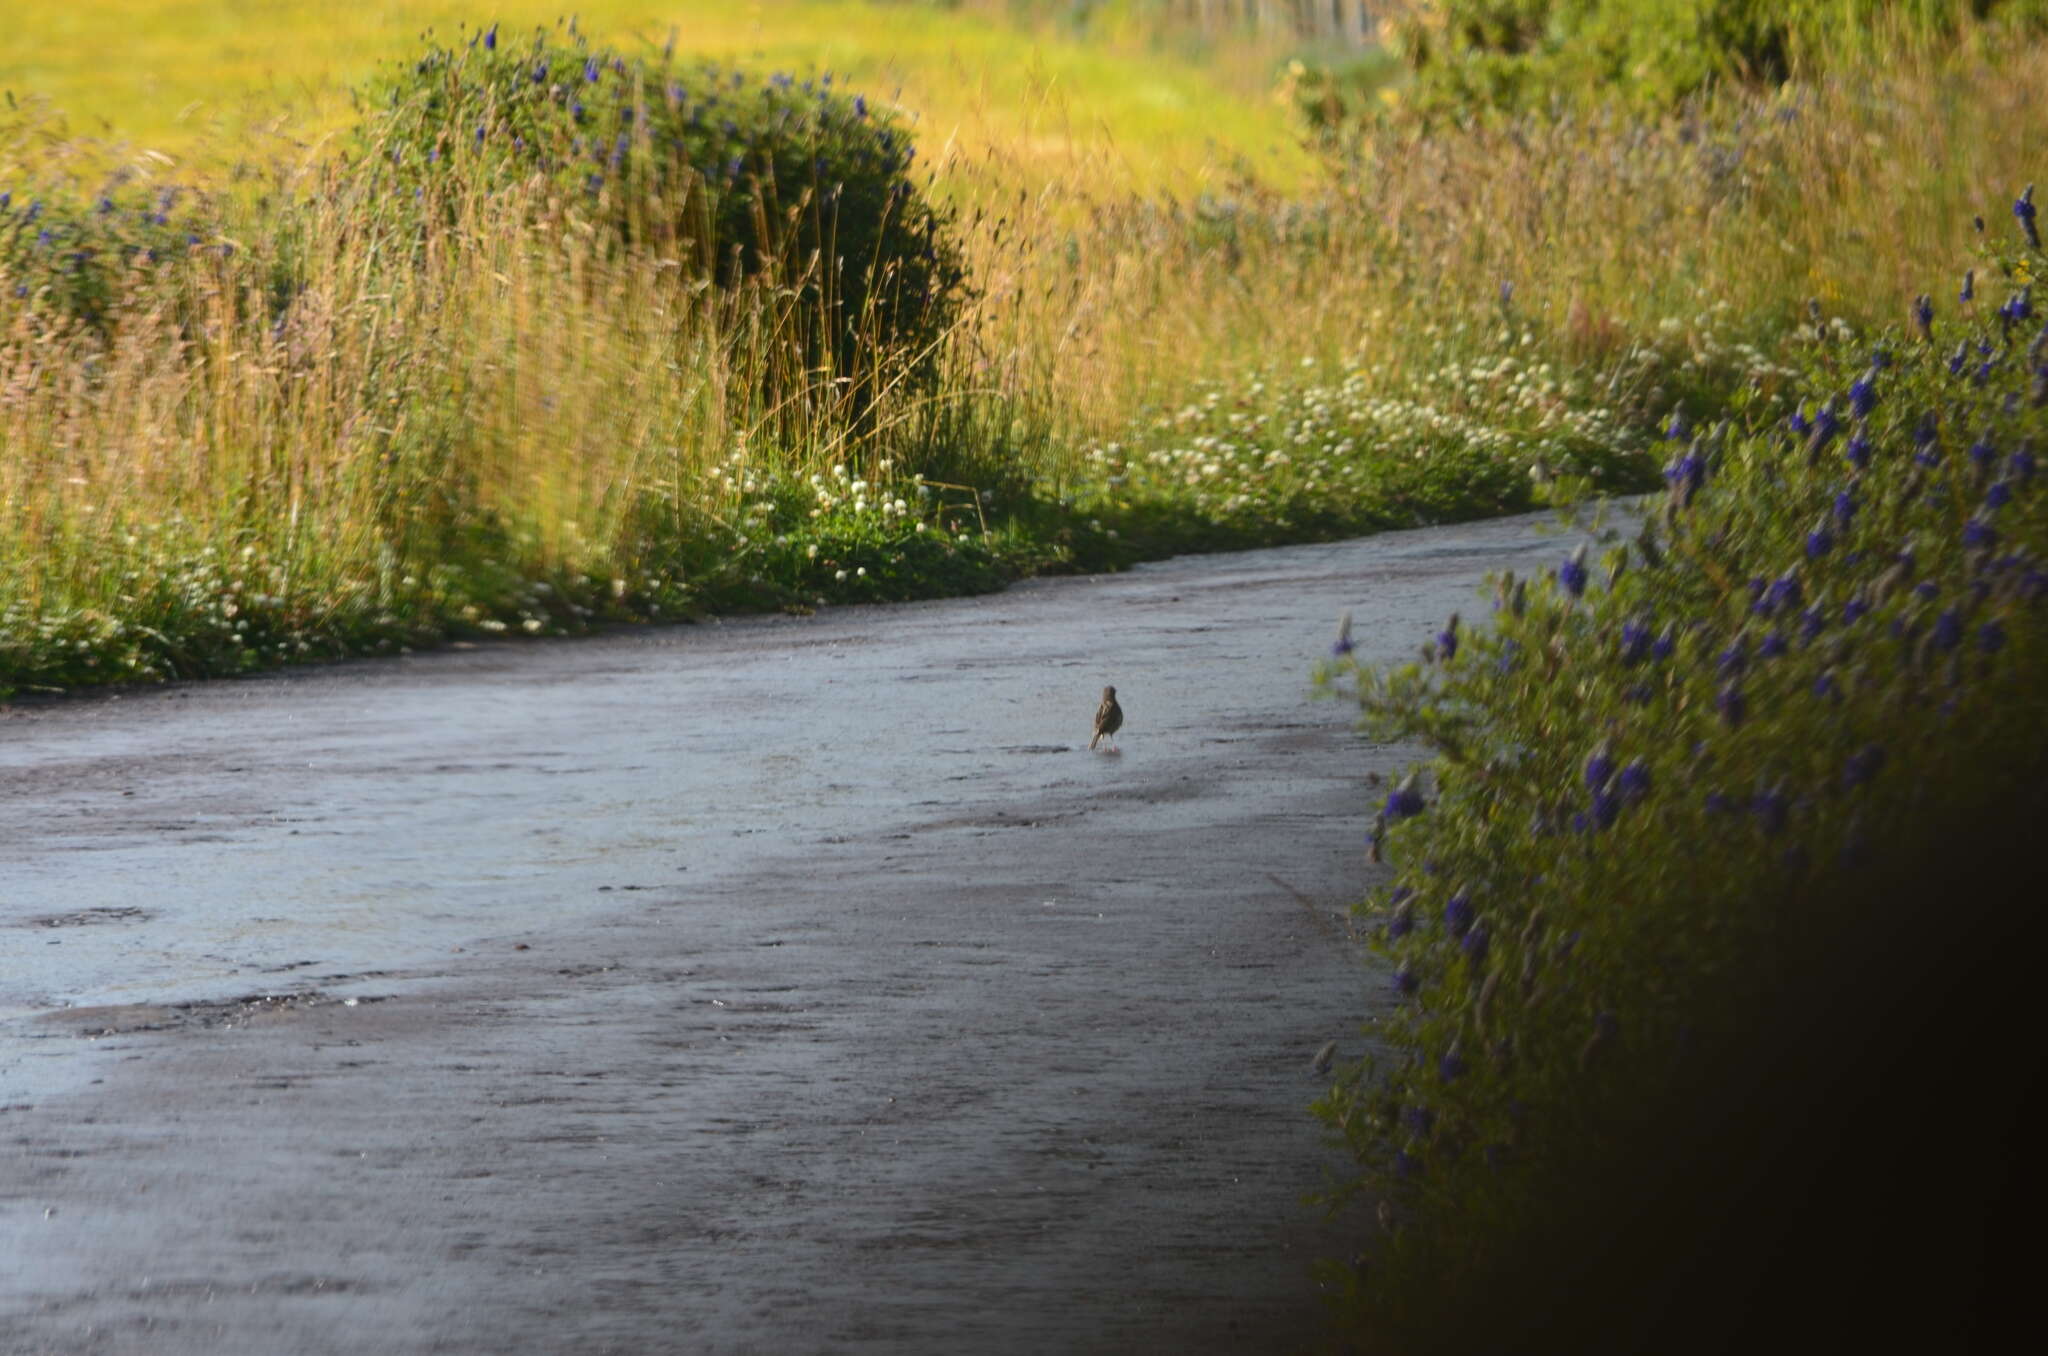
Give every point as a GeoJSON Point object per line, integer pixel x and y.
{"type": "Point", "coordinates": [1923, 315]}
{"type": "Point", "coordinates": [1734, 660]}
{"type": "Point", "coordinates": [1572, 574]}
{"type": "Point", "coordinates": [1998, 496]}
{"type": "Point", "coordinates": [1475, 945]}
{"type": "Point", "coordinates": [1948, 630]}
{"type": "Point", "coordinates": [491, 39]}
{"type": "Point", "coordinates": [1687, 474]}
{"type": "Point", "coordinates": [1664, 646]}
{"type": "Point", "coordinates": [1634, 782]}
{"type": "Point", "coordinates": [1459, 914]}
{"type": "Point", "coordinates": [1406, 980]}
{"type": "Point", "coordinates": [1811, 623]}
{"type": "Point", "coordinates": [1452, 1066]}
{"type": "Point", "coordinates": [1825, 687]}
{"type": "Point", "coordinates": [1826, 424]}
{"type": "Point", "coordinates": [1863, 394]}
{"type": "Point", "coordinates": [1773, 645]}
{"type": "Point", "coordinates": [1858, 451]}
{"type": "Point", "coordinates": [1783, 595]}
{"type": "Point", "coordinates": [1404, 801]}
{"type": "Point", "coordinates": [1676, 430]}
{"type": "Point", "coordinates": [2023, 210]}
{"type": "Point", "coordinates": [1343, 645]}
{"type": "Point", "coordinates": [1991, 637]}
{"type": "Point", "coordinates": [1420, 1120]}
{"type": "Point", "coordinates": [1599, 767]}
{"type": "Point", "coordinates": [591, 70]}
{"type": "Point", "coordinates": [1635, 642]}
{"type": "Point", "coordinates": [1606, 809]}
{"type": "Point", "coordinates": [1447, 639]}
{"type": "Point", "coordinates": [1819, 542]}
{"type": "Point", "coordinates": [1845, 507]}
{"type": "Point", "coordinates": [1969, 291]}
{"type": "Point", "coordinates": [1977, 533]}
{"type": "Point", "coordinates": [2022, 463]}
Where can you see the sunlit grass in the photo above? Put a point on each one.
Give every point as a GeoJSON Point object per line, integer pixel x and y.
{"type": "Point", "coordinates": [191, 77]}
{"type": "Point", "coordinates": [1534, 295]}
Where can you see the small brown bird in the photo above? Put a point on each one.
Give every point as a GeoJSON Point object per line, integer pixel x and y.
{"type": "Point", "coordinates": [1109, 718]}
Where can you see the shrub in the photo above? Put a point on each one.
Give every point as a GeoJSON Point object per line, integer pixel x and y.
{"type": "Point", "coordinates": [68, 254]}
{"type": "Point", "coordinates": [801, 185]}
{"type": "Point", "coordinates": [1677, 780]}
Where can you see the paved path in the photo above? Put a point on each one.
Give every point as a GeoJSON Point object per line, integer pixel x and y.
{"type": "Point", "coordinates": [790, 984]}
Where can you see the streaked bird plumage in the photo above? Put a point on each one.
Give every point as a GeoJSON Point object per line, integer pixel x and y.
{"type": "Point", "coordinates": [1109, 718]}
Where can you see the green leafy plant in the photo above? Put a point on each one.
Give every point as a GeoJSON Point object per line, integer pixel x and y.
{"type": "Point", "coordinates": [795, 184]}
{"type": "Point", "coordinates": [1673, 776]}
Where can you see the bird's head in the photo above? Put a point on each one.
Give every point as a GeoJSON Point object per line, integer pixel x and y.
{"type": "Point", "coordinates": [1109, 694]}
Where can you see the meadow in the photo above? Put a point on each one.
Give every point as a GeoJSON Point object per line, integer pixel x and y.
{"type": "Point", "coordinates": [1184, 328]}
{"type": "Point", "coordinates": [322, 335]}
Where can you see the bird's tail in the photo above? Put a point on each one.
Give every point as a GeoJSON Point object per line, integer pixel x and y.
{"type": "Point", "coordinates": [1097, 740]}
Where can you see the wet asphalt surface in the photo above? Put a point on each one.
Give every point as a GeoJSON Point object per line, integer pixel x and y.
{"type": "Point", "coordinates": [786, 984]}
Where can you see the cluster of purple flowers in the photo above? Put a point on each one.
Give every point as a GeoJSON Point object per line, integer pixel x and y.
{"type": "Point", "coordinates": [1804, 722]}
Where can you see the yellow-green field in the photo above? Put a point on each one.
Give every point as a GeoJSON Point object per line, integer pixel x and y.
{"type": "Point", "coordinates": [193, 77]}
{"type": "Point", "coordinates": [1183, 325]}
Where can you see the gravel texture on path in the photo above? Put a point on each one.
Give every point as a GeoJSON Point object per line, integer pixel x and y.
{"type": "Point", "coordinates": [786, 984]}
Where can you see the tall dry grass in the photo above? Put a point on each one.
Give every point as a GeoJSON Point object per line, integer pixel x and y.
{"type": "Point", "coordinates": [424, 434]}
